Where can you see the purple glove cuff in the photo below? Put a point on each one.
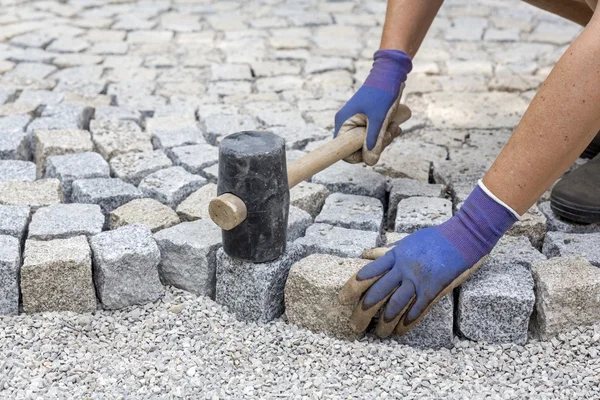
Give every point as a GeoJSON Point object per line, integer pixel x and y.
{"type": "Point", "coordinates": [390, 68]}
{"type": "Point", "coordinates": [477, 226]}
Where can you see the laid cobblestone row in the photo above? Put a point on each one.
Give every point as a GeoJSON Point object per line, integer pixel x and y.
{"type": "Point", "coordinates": [62, 221]}
{"type": "Point", "coordinates": [171, 186]}
{"type": "Point", "coordinates": [148, 212]}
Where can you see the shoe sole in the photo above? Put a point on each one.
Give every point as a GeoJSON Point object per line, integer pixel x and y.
{"type": "Point", "coordinates": [574, 212]}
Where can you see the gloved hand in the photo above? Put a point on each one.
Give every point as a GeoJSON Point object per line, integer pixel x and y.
{"type": "Point", "coordinates": [427, 265]}
{"type": "Point", "coordinates": [375, 105]}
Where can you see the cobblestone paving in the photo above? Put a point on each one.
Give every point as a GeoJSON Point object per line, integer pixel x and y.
{"type": "Point", "coordinates": [120, 105]}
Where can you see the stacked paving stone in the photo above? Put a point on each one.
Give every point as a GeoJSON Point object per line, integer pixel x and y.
{"type": "Point", "coordinates": [110, 117]}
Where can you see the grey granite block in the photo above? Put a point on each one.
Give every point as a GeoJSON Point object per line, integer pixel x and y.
{"type": "Point", "coordinates": [174, 131]}
{"type": "Point", "coordinates": [148, 212]}
{"type": "Point", "coordinates": [195, 158]}
{"type": "Point", "coordinates": [59, 142]}
{"type": "Point", "coordinates": [39, 97]}
{"type": "Point", "coordinates": [57, 276]}
{"type": "Point", "coordinates": [71, 167]}
{"type": "Point", "coordinates": [16, 170]}
{"type": "Point", "coordinates": [254, 292]}
{"type": "Point", "coordinates": [133, 167]}
{"type": "Point", "coordinates": [532, 225]}
{"type": "Point", "coordinates": [403, 188]}
{"type": "Point", "coordinates": [113, 113]}
{"type": "Point", "coordinates": [62, 116]}
{"type": "Point", "coordinates": [10, 263]}
{"type": "Point", "coordinates": [62, 221]}
{"type": "Point", "coordinates": [218, 126]}
{"type": "Point", "coordinates": [566, 291]}
{"type": "Point", "coordinates": [298, 221]}
{"type": "Point", "coordinates": [211, 173]}
{"type": "Point", "coordinates": [195, 206]}
{"type": "Point", "coordinates": [15, 146]}
{"type": "Point", "coordinates": [342, 242]}
{"type": "Point", "coordinates": [108, 193]}
{"type": "Point", "coordinates": [416, 213]}
{"type": "Point", "coordinates": [515, 250]}
{"type": "Point", "coordinates": [188, 256]}
{"type": "Point", "coordinates": [43, 192]}
{"type": "Point", "coordinates": [436, 329]}
{"type": "Point", "coordinates": [14, 220]}
{"type": "Point", "coordinates": [126, 267]}
{"type": "Point", "coordinates": [118, 137]}
{"type": "Point", "coordinates": [586, 245]}
{"type": "Point", "coordinates": [171, 186]}
{"type": "Point", "coordinates": [555, 223]}
{"type": "Point", "coordinates": [352, 212]}
{"type": "Point", "coordinates": [352, 179]}
{"type": "Point", "coordinates": [297, 136]}
{"type": "Point", "coordinates": [309, 197]}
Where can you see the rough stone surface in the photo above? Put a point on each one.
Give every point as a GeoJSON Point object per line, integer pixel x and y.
{"type": "Point", "coordinates": [71, 167]}
{"type": "Point", "coordinates": [15, 170]}
{"type": "Point", "coordinates": [352, 212]}
{"type": "Point", "coordinates": [171, 186]}
{"type": "Point", "coordinates": [148, 212]}
{"type": "Point", "coordinates": [14, 220]}
{"type": "Point", "coordinates": [15, 145]}
{"type": "Point", "coordinates": [118, 137]}
{"type": "Point", "coordinates": [173, 131]}
{"type": "Point", "coordinates": [416, 213]}
{"type": "Point", "coordinates": [342, 242]}
{"type": "Point", "coordinates": [188, 256]}
{"type": "Point", "coordinates": [560, 244]}
{"type": "Point", "coordinates": [352, 179]}
{"type": "Point", "coordinates": [133, 167]}
{"type": "Point", "coordinates": [195, 158]}
{"type": "Point", "coordinates": [532, 225]}
{"type": "Point", "coordinates": [298, 221]}
{"type": "Point", "coordinates": [62, 116]}
{"type": "Point", "coordinates": [254, 292]}
{"type": "Point", "coordinates": [43, 192]}
{"type": "Point", "coordinates": [62, 221]}
{"type": "Point", "coordinates": [435, 330]}
{"type": "Point", "coordinates": [196, 205]}
{"type": "Point", "coordinates": [566, 290]}
{"type": "Point", "coordinates": [57, 276]}
{"type": "Point", "coordinates": [10, 263]}
{"type": "Point", "coordinates": [59, 142]}
{"type": "Point", "coordinates": [108, 193]}
{"type": "Point", "coordinates": [309, 197]}
{"type": "Point", "coordinates": [555, 223]}
{"type": "Point", "coordinates": [126, 267]}
{"type": "Point", "coordinates": [403, 188]}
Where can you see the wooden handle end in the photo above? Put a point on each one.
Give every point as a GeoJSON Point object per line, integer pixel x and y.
{"type": "Point", "coordinates": [227, 211]}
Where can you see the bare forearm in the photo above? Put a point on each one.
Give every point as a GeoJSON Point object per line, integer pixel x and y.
{"type": "Point", "coordinates": [560, 122]}
{"type": "Point", "coordinates": [407, 23]}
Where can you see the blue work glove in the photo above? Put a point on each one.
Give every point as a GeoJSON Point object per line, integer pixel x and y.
{"type": "Point", "coordinates": [375, 105]}
{"type": "Point", "coordinates": [426, 265]}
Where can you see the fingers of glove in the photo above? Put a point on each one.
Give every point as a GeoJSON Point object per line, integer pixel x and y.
{"type": "Point", "coordinates": [361, 281]}
{"type": "Point", "coordinates": [363, 314]}
{"type": "Point", "coordinates": [354, 158]}
{"type": "Point", "coordinates": [382, 287]}
{"type": "Point", "coordinates": [348, 111]}
{"type": "Point", "coordinates": [396, 306]}
{"type": "Point", "coordinates": [415, 313]}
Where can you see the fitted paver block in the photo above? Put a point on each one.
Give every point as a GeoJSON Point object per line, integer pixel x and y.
{"type": "Point", "coordinates": [14, 220]}
{"type": "Point", "coordinates": [556, 223]}
{"type": "Point", "coordinates": [171, 186]}
{"type": "Point", "coordinates": [71, 167]}
{"type": "Point", "coordinates": [309, 197]}
{"type": "Point", "coordinates": [586, 245]}
{"type": "Point", "coordinates": [254, 292]}
{"type": "Point", "coordinates": [311, 294]}
{"type": "Point", "coordinates": [189, 256]}
{"type": "Point", "coordinates": [57, 276]}
{"type": "Point", "coordinates": [147, 212]}
{"type": "Point", "coordinates": [297, 136]}
{"type": "Point", "coordinates": [174, 131]}
{"type": "Point", "coordinates": [17, 109]}
{"type": "Point", "coordinates": [16, 170]}
{"type": "Point", "coordinates": [62, 221]}
{"type": "Point", "coordinates": [298, 221]}
{"type": "Point", "coordinates": [118, 137]}
{"type": "Point", "coordinates": [39, 97]}
{"type": "Point", "coordinates": [15, 146]}
{"type": "Point", "coordinates": [126, 267]}
{"type": "Point", "coordinates": [416, 213]}
{"type": "Point", "coordinates": [352, 179]}
{"type": "Point", "coordinates": [342, 242]}
{"type": "Point", "coordinates": [62, 116]}
{"type": "Point", "coordinates": [566, 292]}
{"type": "Point", "coordinates": [41, 193]}
{"type": "Point", "coordinates": [410, 159]}
{"type": "Point", "coordinates": [133, 167]}
{"type": "Point", "coordinates": [352, 212]}
{"type": "Point", "coordinates": [10, 263]}
{"type": "Point", "coordinates": [195, 158]}
{"type": "Point", "coordinates": [114, 113]}
{"type": "Point", "coordinates": [436, 329]}
{"type": "Point", "coordinates": [512, 250]}
{"type": "Point", "coordinates": [218, 126]}
{"type": "Point", "coordinates": [532, 225]}
{"type": "Point", "coordinates": [91, 100]}
{"type": "Point", "coordinates": [108, 193]}
{"type": "Point", "coordinates": [403, 188]}
{"type": "Point", "coordinates": [196, 205]}
{"type": "Point", "coordinates": [59, 142]}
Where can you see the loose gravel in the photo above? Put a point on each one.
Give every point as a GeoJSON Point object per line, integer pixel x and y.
{"type": "Point", "coordinates": [185, 346]}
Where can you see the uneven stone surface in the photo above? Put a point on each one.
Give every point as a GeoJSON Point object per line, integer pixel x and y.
{"type": "Point", "coordinates": [254, 292]}
{"type": "Point", "coordinates": [337, 241]}
{"type": "Point", "coordinates": [170, 186]}
{"type": "Point", "coordinates": [309, 197]}
{"type": "Point", "coordinates": [43, 192]}
{"type": "Point", "coordinates": [403, 188]}
{"type": "Point", "coordinates": [62, 221]}
{"type": "Point", "coordinates": [566, 290]}
{"type": "Point", "coordinates": [133, 167]}
{"type": "Point", "coordinates": [435, 330]}
{"type": "Point", "coordinates": [352, 179]}
{"type": "Point", "coordinates": [531, 225]}
{"type": "Point", "coordinates": [560, 244]}
{"type": "Point", "coordinates": [298, 221]}
{"type": "Point", "coordinates": [188, 256]}
{"type": "Point", "coordinates": [126, 267]}
{"type": "Point", "coordinates": [14, 220]}
{"type": "Point", "coordinates": [555, 223]}
{"type": "Point", "coordinates": [148, 212]}
{"type": "Point", "coordinates": [118, 137]}
{"type": "Point", "coordinates": [57, 276]}
{"type": "Point", "coordinates": [195, 206]}
{"type": "Point", "coordinates": [108, 193]}
{"type": "Point", "coordinates": [58, 142]}
{"type": "Point", "coordinates": [71, 167]}
{"type": "Point", "coordinates": [10, 264]}
{"type": "Point", "coordinates": [416, 213]}
{"type": "Point", "coordinates": [175, 131]}
{"type": "Point", "coordinates": [195, 158]}
{"type": "Point", "coordinates": [352, 212]}
{"type": "Point", "coordinates": [15, 170]}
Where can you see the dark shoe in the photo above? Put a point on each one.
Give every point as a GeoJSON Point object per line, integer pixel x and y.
{"type": "Point", "coordinates": [576, 196]}
{"type": "Point", "coordinates": [593, 149]}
